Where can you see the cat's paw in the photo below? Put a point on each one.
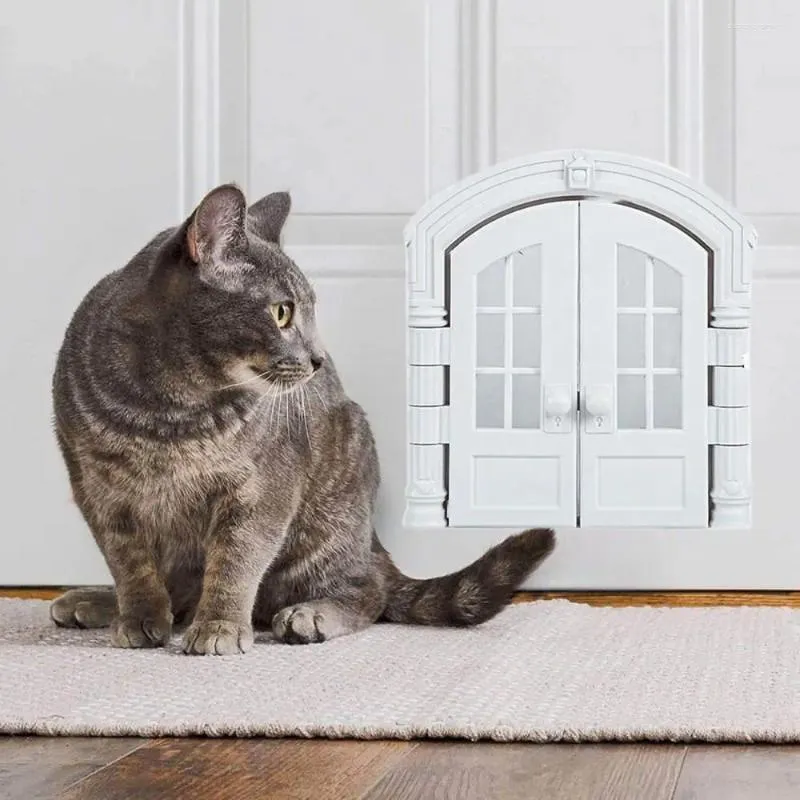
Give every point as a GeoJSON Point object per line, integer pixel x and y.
{"type": "Point", "coordinates": [301, 624]}
{"type": "Point", "coordinates": [84, 608]}
{"type": "Point", "coordinates": [217, 637]}
{"type": "Point", "coordinates": [142, 631]}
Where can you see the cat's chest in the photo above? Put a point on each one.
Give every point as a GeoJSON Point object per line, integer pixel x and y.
{"type": "Point", "coordinates": [173, 486]}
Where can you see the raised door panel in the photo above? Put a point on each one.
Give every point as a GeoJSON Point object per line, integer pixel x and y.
{"type": "Point", "coordinates": [644, 393]}
{"type": "Point", "coordinates": [513, 376]}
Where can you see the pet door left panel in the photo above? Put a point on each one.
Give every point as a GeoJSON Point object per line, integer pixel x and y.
{"type": "Point", "coordinates": [513, 370]}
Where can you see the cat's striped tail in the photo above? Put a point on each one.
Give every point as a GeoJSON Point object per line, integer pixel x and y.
{"type": "Point", "coordinates": [475, 593]}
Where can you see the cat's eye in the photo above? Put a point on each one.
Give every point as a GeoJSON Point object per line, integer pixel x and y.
{"type": "Point", "coordinates": [282, 313]}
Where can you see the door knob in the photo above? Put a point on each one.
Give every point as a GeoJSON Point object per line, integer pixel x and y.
{"type": "Point", "coordinates": [599, 401]}
{"type": "Point", "coordinates": [558, 405]}
{"type": "Point", "coordinates": [599, 406]}
{"type": "Point", "coordinates": [557, 401]}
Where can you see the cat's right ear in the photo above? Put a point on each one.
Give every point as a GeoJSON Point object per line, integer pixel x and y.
{"type": "Point", "coordinates": [217, 226]}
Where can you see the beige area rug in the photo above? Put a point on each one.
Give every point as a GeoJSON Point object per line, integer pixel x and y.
{"type": "Point", "coordinates": [546, 671]}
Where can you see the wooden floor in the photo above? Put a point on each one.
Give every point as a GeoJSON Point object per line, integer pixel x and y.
{"type": "Point", "coordinates": [206, 769]}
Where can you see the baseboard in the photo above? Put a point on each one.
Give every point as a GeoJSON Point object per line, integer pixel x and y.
{"type": "Point", "coordinates": [32, 592]}
{"type": "Point", "coordinates": [675, 599]}
{"type": "Point", "coordinates": [791, 599]}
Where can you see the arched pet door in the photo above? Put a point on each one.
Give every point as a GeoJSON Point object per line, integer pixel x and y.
{"type": "Point", "coordinates": [578, 347]}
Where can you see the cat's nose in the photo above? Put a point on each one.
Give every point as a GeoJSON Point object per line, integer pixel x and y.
{"type": "Point", "coordinates": [317, 362]}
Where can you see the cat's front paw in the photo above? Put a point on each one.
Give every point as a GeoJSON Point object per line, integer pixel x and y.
{"type": "Point", "coordinates": [142, 631]}
{"type": "Point", "coordinates": [301, 624]}
{"type": "Point", "coordinates": [84, 608]}
{"type": "Point", "coordinates": [217, 637]}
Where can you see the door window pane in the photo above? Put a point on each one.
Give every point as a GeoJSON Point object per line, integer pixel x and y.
{"type": "Point", "coordinates": [525, 401]}
{"type": "Point", "coordinates": [667, 401]}
{"type": "Point", "coordinates": [667, 340]}
{"type": "Point", "coordinates": [492, 284]}
{"type": "Point", "coordinates": [630, 277]}
{"type": "Point", "coordinates": [527, 266]}
{"type": "Point", "coordinates": [491, 337]}
{"type": "Point", "coordinates": [489, 400]}
{"type": "Point", "coordinates": [527, 342]}
{"type": "Point", "coordinates": [630, 340]}
{"type": "Point", "coordinates": [631, 402]}
{"type": "Point", "coordinates": [666, 286]}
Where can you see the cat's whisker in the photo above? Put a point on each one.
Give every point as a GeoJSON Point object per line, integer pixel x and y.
{"type": "Point", "coordinates": [258, 377]}
{"type": "Point", "coordinates": [261, 402]}
{"type": "Point", "coordinates": [272, 404]}
{"type": "Point", "coordinates": [290, 410]}
{"type": "Point", "coordinates": [321, 398]}
{"type": "Point", "coordinates": [305, 415]}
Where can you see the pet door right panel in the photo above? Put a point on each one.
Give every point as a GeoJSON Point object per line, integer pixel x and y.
{"type": "Point", "coordinates": [643, 407]}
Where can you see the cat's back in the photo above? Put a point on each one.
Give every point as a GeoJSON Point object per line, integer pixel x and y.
{"type": "Point", "coordinates": [95, 320]}
{"type": "Point", "coordinates": [104, 301]}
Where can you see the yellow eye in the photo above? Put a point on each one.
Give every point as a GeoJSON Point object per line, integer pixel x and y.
{"type": "Point", "coordinates": [282, 313]}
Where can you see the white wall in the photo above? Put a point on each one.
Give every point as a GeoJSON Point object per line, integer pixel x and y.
{"type": "Point", "coordinates": [363, 109]}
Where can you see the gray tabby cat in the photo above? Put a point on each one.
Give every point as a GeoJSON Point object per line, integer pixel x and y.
{"type": "Point", "coordinates": [223, 471]}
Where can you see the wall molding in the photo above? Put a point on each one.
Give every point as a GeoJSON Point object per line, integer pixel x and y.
{"type": "Point", "coordinates": [777, 262]}
{"type": "Point", "coordinates": [720, 96]}
{"type": "Point", "coordinates": [212, 97]}
{"type": "Point", "coordinates": [444, 55]}
{"type": "Point", "coordinates": [684, 116]}
{"type": "Point", "coordinates": [349, 261]}
{"type": "Point", "coordinates": [198, 96]}
{"type": "Point", "coordinates": [478, 85]}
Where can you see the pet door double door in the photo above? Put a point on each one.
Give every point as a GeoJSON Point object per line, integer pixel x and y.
{"type": "Point", "coordinates": [578, 378]}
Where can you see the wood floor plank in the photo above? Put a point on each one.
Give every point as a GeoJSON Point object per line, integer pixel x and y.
{"type": "Point", "coordinates": [464, 771]}
{"type": "Point", "coordinates": [213, 769]}
{"type": "Point", "coordinates": [740, 772]}
{"type": "Point", "coordinates": [38, 767]}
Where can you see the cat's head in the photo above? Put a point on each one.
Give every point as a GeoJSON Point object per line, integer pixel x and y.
{"type": "Point", "coordinates": [248, 308]}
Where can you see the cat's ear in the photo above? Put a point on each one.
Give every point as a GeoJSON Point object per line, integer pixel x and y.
{"type": "Point", "coordinates": [217, 226]}
{"type": "Point", "coordinates": [268, 215]}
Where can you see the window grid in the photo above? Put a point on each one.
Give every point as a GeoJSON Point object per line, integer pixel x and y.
{"type": "Point", "coordinates": [648, 342]}
{"type": "Point", "coordinates": [649, 371]}
{"type": "Point", "coordinates": [509, 342]}
{"type": "Point", "coordinates": [506, 309]}
{"type": "Point", "coordinates": [509, 311]}
{"type": "Point", "coordinates": [654, 310]}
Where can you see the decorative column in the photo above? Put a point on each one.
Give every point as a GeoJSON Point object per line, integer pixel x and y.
{"type": "Point", "coordinates": [428, 350]}
{"type": "Point", "coordinates": [729, 417]}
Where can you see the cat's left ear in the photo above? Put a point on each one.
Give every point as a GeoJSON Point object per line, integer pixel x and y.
{"type": "Point", "coordinates": [268, 215]}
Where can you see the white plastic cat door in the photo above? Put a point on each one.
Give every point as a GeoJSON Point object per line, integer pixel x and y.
{"type": "Point", "coordinates": [578, 370]}
{"type": "Point", "coordinates": [575, 354]}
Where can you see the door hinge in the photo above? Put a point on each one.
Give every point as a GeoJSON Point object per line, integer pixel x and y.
{"type": "Point", "coordinates": [429, 346]}
{"type": "Point", "coordinates": [728, 425]}
{"type": "Point", "coordinates": [728, 347]}
{"type": "Point", "coordinates": [429, 424]}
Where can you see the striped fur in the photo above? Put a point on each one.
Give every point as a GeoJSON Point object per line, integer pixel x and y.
{"type": "Point", "coordinates": [475, 593]}
{"type": "Point", "coordinates": [224, 472]}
